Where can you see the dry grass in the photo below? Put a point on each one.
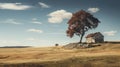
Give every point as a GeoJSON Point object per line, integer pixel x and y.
{"type": "Point", "coordinates": [106, 56]}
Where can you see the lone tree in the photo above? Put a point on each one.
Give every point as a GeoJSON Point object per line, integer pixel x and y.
{"type": "Point", "coordinates": [81, 22]}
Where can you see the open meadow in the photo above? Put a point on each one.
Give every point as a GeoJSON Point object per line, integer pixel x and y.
{"type": "Point", "coordinates": [107, 55]}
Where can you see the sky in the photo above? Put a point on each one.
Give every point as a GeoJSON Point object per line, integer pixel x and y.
{"type": "Point", "coordinates": [44, 22]}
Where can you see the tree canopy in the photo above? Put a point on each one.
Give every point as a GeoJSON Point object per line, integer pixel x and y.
{"type": "Point", "coordinates": [81, 22]}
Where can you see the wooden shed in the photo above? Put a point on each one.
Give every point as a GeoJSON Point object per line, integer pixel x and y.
{"type": "Point", "coordinates": [95, 38]}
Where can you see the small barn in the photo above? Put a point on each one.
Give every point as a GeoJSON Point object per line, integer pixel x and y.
{"type": "Point", "coordinates": [95, 38]}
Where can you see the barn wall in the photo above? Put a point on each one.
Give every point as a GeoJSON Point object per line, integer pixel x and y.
{"type": "Point", "coordinates": [90, 40]}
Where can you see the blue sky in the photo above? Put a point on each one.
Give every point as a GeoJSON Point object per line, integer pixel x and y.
{"type": "Point", "coordinates": [44, 22]}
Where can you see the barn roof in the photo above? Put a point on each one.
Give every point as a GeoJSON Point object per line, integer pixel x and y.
{"type": "Point", "coordinates": [92, 34]}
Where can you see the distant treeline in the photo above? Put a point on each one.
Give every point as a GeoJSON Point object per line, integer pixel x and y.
{"type": "Point", "coordinates": [113, 42]}
{"type": "Point", "coordinates": [15, 46]}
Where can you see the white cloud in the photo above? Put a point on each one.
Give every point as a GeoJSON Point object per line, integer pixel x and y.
{"type": "Point", "coordinates": [43, 5]}
{"type": "Point", "coordinates": [11, 21]}
{"type": "Point", "coordinates": [93, 10]}
{"type": "Point", "coordinates": [35, 30]}
{"type": "Point", "coordinates": [14, 6]}
{"type": "Point", "coordinates": [18, 3]}
{"type": "Point", "coordinates": [58, 16]}
{"type": "Point", "coordinates": [110, 33]}
{"type": "Point", "coordinates": [35, 21]}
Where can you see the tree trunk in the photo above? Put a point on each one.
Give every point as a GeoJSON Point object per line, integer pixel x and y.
{"type": "Point", "coordinates": [81, 37]}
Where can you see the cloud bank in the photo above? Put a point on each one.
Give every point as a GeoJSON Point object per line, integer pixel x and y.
{"type": "Point", "coordinates": [14, 6]}
{"type": "Point", "coordinates": [10, 21]}
{"type": "Point", "coordinates": [35, 21]}
{"type": "Point", "coordinates": [93, 10]}
{"type": "Point", "coordinates": [110, 33]}
{"type": "Point", "coordinates": [35, 30]}
{"type": "Point", "coordinates": [43, 5]}
{"type": "Point", "coordinates": [58, 16]}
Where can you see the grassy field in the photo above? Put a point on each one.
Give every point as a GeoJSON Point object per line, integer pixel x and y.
{"type": "Point", "coordinates": [107, 55]}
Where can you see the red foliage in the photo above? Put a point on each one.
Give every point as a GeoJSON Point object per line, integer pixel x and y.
{"type": "Point", "coordinates": [81, 22]}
